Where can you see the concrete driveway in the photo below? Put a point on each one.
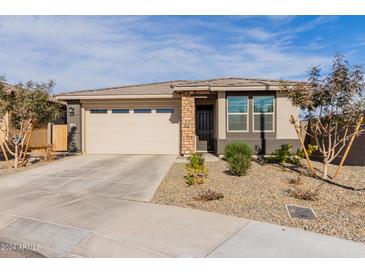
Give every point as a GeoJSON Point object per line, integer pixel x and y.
{"type": "Point", "coordinates": [97, 206]}
{"type": "Point", "coordinates": [134, 177]}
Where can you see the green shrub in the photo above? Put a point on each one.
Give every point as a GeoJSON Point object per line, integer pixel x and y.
{"type": "Point", "coordinates": [310, 150]}
{"type": "Point", "coordinates": [284, 155]}
{"type": "Point", "coordinates": [239, 164]}
{"type": "Point", "coordinates": [189, 178]}
{"type": "Point", "coordinates": [295, 160]}
{"type": "Point", "coordinates": [197, 161]}
{"type": "Point", "coordinates": [196, 171]}
{"type": "Point", "coordinates": [238, 156]}
{"type": "Point", "coordinates": [237, 148]}
{"type": "Point", "coordinates": [281, 155]}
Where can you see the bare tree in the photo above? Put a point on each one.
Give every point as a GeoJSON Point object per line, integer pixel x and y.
{"type": "Point", "coordinates": [332, 105]}
{"type": "Point", "coordinates": [23, 108]}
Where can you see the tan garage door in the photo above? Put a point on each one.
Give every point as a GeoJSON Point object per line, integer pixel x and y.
{"type": "Point", "coordinates": [132, 129]}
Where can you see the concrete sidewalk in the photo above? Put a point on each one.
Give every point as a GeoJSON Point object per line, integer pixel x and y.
{"type": "Point", "coordinates": [258, 239]}
{"type": "Point", "coordinates": [188, 233]}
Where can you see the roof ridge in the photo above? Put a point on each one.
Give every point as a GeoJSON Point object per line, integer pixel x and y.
{"type": "Point", "coordinates": [238, 78]}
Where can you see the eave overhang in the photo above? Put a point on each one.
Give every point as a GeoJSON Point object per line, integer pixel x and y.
{"type": "Point", "coordinates": [106, 97]}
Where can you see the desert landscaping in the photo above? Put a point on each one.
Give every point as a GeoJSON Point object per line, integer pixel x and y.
{"type": "Point", "coordinates": [264, 191]}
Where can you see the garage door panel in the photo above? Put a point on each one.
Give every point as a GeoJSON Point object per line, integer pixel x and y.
{"type": "Point", "coordinates": [132, 133]}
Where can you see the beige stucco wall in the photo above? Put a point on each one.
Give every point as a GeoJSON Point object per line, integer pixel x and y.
{"type": "Point", "coordinates": [215, 113]}
{"type": "Point", "coordinates": [284, 109]}
{"type": "Point", "coordinates": [133, 133]}
{"type": "Point", "coordinates": [221, 107]}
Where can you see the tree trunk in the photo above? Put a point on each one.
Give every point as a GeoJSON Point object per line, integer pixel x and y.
{"type": "Point", "coordinates": [16, 156]}
{"type": "Point", "coordinates": [325, 170]}
{"type": "Point", "coordinates": [24, 159]}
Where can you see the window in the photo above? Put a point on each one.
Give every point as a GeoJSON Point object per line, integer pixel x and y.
{"type": "Point", "coordinates": [98, 111]}
{"type": "Point", "coordinates": [237, 113]}
{"type": "Point", "coordinates": [143, 110]}
{"type": "Point", "coordinates": [164, 110]}
{"type": "Point", "coordinates": [263, 113]}
{"type": "Point", "coordinates": [120, 110]}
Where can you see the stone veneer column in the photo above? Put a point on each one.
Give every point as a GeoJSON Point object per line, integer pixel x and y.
{"type": "Point", "coordinates": [187, 124]}
{"type": "Point", "coordinates": [74, 126]}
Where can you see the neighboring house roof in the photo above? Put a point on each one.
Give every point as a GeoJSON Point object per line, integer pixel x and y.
{"type": "Point", "coordinates": [167, 88]}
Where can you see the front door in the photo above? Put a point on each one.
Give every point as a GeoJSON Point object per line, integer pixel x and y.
{"type": "Point", "coordinates": [204, 128]}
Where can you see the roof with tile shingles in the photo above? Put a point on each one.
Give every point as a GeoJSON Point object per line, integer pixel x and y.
{"type": "Point", "coordinates": [166, 88]}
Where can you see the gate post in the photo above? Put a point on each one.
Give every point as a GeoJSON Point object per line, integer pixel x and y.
{"type": "Point", "coordinates": [49, 134]}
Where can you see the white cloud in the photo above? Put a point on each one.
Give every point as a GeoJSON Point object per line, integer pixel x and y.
{"type": "Point", "coordinates": [92, 52]}
{"type": "Point", "coordinates": [320, 20]}
{"type": "Point", "coordinates": [259, 34]}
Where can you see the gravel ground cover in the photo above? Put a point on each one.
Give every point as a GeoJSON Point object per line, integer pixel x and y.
{"type": "Point", "coordinates": [264, 191]}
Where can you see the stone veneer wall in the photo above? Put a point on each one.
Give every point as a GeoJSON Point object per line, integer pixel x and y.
{"type": "Point", "coordinates": [74, 134]}
{"type": "Point", "coordinates": [187, 124]}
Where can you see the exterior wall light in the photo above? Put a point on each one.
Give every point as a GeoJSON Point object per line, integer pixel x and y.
{"type": "Point", "coordinates": [71, 111]}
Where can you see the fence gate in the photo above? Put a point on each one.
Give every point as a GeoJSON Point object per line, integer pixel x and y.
{"type": "Point", "coordinates": [59, 137]}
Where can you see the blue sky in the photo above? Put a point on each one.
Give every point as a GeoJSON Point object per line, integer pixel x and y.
{"type": "Point", "coordinates": [81, 52]}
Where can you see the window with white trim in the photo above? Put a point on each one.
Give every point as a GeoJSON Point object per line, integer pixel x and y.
{"type": "Point", "coordinates": [237, 113]}
{"type": "Point", "coordinates": [263, 113]}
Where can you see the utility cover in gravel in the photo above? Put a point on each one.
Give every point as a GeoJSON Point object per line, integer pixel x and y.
{"type": "Point", "coordinates": [300, 212]}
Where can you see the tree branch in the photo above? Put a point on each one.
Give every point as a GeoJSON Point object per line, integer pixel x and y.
{"type": "Point", "coordinates": [8, 149]}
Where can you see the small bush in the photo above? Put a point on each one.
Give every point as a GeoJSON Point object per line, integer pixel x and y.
{"type": "Point", "coordinates": [238, 156]}
{"type": "Point", "coordinates": [300, 153]}
{"type": "Point", "coordinates": [209, 195]}
{"type": "Point", "coordinates": [47, 153]}
{"type": "Point", "coordinates": [237, 148]}
{"type": "Point", "coordinates": [296, 181]}
{"type": "Point", "coordinates": [196, 171]}
{"type": "Point", "coordinates": [281, 155]}
{"type": "Point", "coordinates": [304, 192]}
{"type": "Point", "coordinates": [284, 155]}
{"type": "Point", "coordinates": [197, 160]}
{"type": "Point", "coordinates": [310, 150]}
{"type": "Point", "coordinates": [189, 179]}
{"type": "Point", "coordinates": [239, 164]}
{"type": "Point", "coordinates": [294, 160]}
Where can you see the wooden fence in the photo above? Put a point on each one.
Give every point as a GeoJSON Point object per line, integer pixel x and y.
{"type": "Point", "coordinates": [53, 134]}
{"type": "Point", "coordinates": [39, 138]}
{"type": "Point", "coordinates": [59, 137]}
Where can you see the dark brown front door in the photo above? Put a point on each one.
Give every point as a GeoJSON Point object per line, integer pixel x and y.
{"type": "Point", "coordinates": [204, 128]}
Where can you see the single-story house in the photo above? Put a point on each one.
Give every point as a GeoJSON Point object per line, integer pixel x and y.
{"type": "Point", "coordinates": [180, 117]}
